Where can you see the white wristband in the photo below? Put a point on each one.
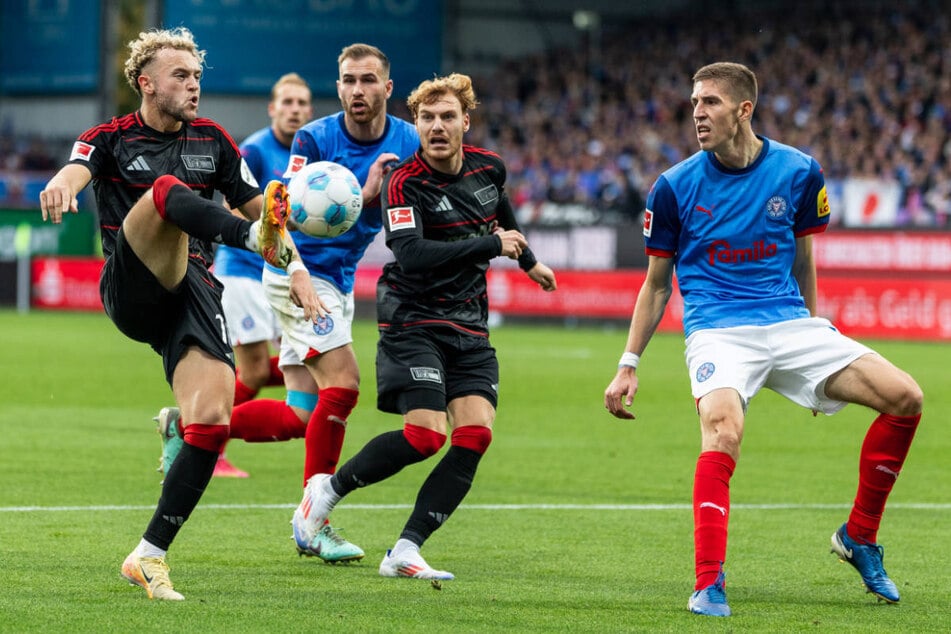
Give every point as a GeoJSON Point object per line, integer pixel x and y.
{"type": "Point", "coordinates": [629, 359]}
{"type": "Point", "coordinates": [294, 266]}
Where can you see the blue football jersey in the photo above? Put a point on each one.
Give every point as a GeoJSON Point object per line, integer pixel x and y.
{"type": "Point", "coordinates": [266, 158]}
{"type": "Point", "coordinates": [326, 139]}
{"type": "Point", "coordinates": [732, 234]}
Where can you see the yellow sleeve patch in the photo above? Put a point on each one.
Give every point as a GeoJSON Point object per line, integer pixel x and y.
{"type": "Point", "coordinates": [822, 203]}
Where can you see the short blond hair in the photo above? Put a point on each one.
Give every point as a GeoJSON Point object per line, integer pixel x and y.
{"type": "Point", "coordinates": [290, 78]}
{"type": "Point", "coordinates": [432, 89]}
{"type": "Point", "coordinates": [144, 49]}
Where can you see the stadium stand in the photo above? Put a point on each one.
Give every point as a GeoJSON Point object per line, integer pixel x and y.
{"type": "Point", "coordinates": [863, 87]}
{"type": "Point", "coordinates": [865, 90]}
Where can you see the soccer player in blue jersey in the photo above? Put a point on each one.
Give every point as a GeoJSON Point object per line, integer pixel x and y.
{"type": "Point", "coordinates": [736, 221]}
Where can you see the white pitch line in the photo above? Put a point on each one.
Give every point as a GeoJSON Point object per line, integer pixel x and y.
{"type": "Point", "coordinates": [927, 506]}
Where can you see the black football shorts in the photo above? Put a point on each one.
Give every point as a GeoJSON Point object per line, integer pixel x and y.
{"type": "Point", "coordinates": [168, 321]}
{"type": "Point", "coordinates": [426, 368]}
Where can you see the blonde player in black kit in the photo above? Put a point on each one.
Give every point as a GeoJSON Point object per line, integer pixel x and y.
{"type": "Point", "coordinates": [155, 172]}
{"type": "Point", "coordinates": [446, 215]}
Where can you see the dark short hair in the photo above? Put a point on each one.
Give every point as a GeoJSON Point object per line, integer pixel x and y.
{"type": "Point", "coordinates": [738, 79]}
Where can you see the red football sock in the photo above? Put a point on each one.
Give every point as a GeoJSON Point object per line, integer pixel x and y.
{"type": "Point", "coordinates": [883, 454]}
{"type": "Point", "coordinates": [207, 437]}
{"type": "Point", "coordinates": [265, 420]}
{"type": "Point", "coordinates": [326, 429]}
{"type": "Point", "coordinates": [277, 376]}
{"type": "Point", "coordinates": [711, 514]}
{"type": "Point", "coordinates": [242, 393]}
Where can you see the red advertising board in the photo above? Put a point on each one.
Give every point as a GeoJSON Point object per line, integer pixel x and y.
{"type": "Point", "coordinates": [861, 304]}
{"type": "Point", "coordinates": [66, 283]}
{"type": "Point", "coordinates": [886, 307]}
{"type": "Point", "coordinates": [867, 306]}
{"type": "Point", "coordinates": [837, 250]}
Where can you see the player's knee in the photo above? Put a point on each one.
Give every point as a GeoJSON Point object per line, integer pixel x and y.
{"type": "Point", "coordinates": [910, 401]}
{"type": "Point", "coordinates": [208, 437]}
{"type": "Point", "coordinates": [424, 440]}
{"type": "Point", "coordinates": [474, 437]}
{"type": "Point", "coordinates": [160, 188]}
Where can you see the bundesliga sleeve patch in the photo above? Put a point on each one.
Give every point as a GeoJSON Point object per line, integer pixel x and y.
{"type": "Point", "coordinates": [648, 217]}
{"type": "Point", "coordinates": [401, 218]}
{"type": "Point", "coordinates": [81, 151]}
{"type": "Point", "coordinates": [295, 164]}
{"type": "Point", "coordinates": [822, 203]}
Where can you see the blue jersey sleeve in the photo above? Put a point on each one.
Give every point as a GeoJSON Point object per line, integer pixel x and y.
{"type": "Point", "coordinates": [662, 220]}
{"type": "Point", "coordinates": [813, 211]}
{"type": "Point", "coordinates": [254, 161]}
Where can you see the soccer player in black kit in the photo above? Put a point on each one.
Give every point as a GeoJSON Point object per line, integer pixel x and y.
{"type": "Point", "coordinates": [446, 215]}
{"type": "Point", "coordinates": [155, 172]}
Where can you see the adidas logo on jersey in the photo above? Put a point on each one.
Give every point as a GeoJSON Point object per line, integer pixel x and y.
{"type": "Point", "coordinates": [444, 204]}
{"type": "Point", "coordinates": [138, 165]}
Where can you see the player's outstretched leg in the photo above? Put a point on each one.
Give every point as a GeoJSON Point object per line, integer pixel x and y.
{"type": "Point", "coordinates": [711, 601]}
{"type": "Point", "coordinates": [868, 559]}
{"type": "Point", "coordinates": [404, 560]}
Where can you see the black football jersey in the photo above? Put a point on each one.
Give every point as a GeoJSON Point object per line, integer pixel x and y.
{"type": "Point", "coordinates": [125, 157]}
{"type": "Point", "coordinates": [439, 227]}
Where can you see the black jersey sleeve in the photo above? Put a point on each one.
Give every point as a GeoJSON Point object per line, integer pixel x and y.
{"type": "Point", "coordinates": [506, 217]}
{"type": "Point", "coordinates": [416, 254]}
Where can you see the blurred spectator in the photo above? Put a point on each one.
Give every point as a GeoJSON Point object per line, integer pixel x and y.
{"type": "Point", "coordinates": [37, 157]}
{"type": "Point", "coordinates": [866, 90]}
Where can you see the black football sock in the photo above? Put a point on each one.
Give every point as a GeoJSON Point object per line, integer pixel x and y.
{"type": "Point", "coordinates": [204, 219]}
{"type": "Point", "coordinates": [184, 485]}
{"type": "Point", "coordinates": [380, 458]}
{"type": "Point", "coordinates": [442, 492]}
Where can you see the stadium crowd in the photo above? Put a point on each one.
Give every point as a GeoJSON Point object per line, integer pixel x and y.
{"type": "Point", "coordinates": [867, 91]}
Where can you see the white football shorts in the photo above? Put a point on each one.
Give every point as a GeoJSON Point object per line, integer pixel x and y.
{"type": "Point", "coordinates": [247, 311]}
{"type": "Point", "coordinates": [793, 358]}
{"type": "Point", "coordinates": [303, 338]}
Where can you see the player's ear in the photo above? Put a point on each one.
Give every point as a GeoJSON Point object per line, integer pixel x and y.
{"type": "Point", "coordinates": [746, 110]}
{"type": "Point", "coordinates": [389, 88]}
{"type": "Point", "coordinates": [144, 82]}
{"type": "Point", "coordinates": [465, 122]}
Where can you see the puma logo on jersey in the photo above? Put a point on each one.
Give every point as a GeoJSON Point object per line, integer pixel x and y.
{"type": "Point", "coordinates": [704, 210]}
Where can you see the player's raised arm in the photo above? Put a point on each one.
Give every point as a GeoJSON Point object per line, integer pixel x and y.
{"type": "Point", "coordinates": [59, 195]}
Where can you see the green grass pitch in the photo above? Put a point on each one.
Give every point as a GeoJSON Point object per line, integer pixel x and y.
{"type": "Point", "coordinates": [577, 522]}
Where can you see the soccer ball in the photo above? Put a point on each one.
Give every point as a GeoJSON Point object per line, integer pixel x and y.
{"type": "Point", "coordinates": [325, 199]}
